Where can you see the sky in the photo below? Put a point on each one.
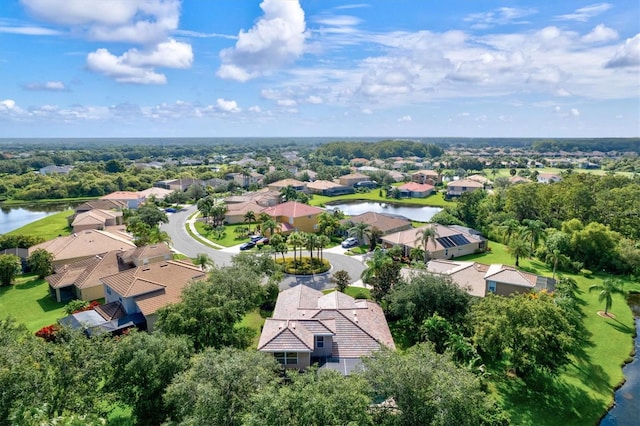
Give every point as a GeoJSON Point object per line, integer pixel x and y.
{"type": "Point", "coordinates": [319, 68]}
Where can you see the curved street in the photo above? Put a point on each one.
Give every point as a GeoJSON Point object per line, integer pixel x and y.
{"type": "Point", "coordinates": [184, 243]}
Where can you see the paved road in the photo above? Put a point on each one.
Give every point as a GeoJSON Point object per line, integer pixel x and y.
{"type": "Point", "coordinates": [184, 243]}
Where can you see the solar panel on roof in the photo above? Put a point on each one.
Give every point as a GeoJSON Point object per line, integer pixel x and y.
{"type": "Point", "coordinates": [445, 242]}
{"type": "Point", "coordinates": [459, 240]}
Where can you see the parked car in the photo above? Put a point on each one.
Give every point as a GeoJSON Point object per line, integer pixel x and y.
{"type": "Point", "coordinates": [263, 240]}
{"type": "Point", "coordinates": [170, 210]}
{"type": "Point", "coordinates": [248, 245]}
{"type": "Point", "coordinates": [256, 238]}
{"type": "Point", "coordinates": [349, 242]}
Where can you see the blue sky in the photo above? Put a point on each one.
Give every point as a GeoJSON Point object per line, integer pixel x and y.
{"type": "Point", "coordinates": [402, 68]}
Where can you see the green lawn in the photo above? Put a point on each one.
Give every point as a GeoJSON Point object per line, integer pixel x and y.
{"type": "Point", "coordinates": [230, 238]}
{"type": "Point", "coordinates": [29, 302]}
{"type": "Point", "coordinates": [582, 393]}
{"type": "Point", "coordinates": [48, 227]}
{"type": "Point", "coordinates": [436, 200]}
{"type": "Point", "coordinates": [254, 321]}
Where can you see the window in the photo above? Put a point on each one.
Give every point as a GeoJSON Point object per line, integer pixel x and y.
{"type": "Point", "coordinates": [492, 286]}
{"type": "Point", "coordinates": [319, 341]}
{"type": "Point", "coordinates": [286, 358]}
{"type": "Point", "coordinates": [108, 290]}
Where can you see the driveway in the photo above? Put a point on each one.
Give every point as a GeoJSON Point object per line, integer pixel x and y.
{"type": "Point", "coordinates": [184, 243]}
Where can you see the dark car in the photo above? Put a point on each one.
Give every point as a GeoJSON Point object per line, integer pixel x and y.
{"type": "Point", "coordinates": [248, 245]}
{"type": "Point", "coordinates": [170, 210]}
{"type": "Point", "coordinates": [263, 240]}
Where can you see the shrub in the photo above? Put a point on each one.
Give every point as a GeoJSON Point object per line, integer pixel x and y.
{"type": "Point", "coordinates": [304, 266]}
{"type": "Point", "coordinates": [586, 273]}
{"type": "Point", "coordinates": [49, 332]}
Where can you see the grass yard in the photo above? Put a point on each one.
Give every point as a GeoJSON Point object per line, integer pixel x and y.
{"type": "Point", "coordinates": [48, 227]}
{"type": "Point", "coordinates": [582, 393]}
{"type": "Point", "coordinates": [28, 302]}
{"type": "Point", "coordinates": [436, 200]}
{"type": "Point", "coordinates": [230, 237]}
{"type": "Point", "coordinates": [254, 321]}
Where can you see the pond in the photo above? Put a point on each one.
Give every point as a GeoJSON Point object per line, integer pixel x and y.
{"type": "Point", "coordinates": [626, 410]}
{"type": "Point", "coordinates": [15, 217]}
{"type": "Point", "coordinates": [410, 211]}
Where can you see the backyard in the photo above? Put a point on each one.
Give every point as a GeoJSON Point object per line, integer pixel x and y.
{"type": "Point", "coordinates": [28, 302]}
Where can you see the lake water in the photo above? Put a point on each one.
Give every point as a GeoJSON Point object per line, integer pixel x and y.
{"type": "Point", "coordinates": [15, 217]}
{"type": "Point", "coordinates": [626, 410]}
{"type": "Point", "coordinates": [410, 211]}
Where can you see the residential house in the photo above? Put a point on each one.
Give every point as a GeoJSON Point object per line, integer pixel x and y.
{"type": "Point", "coordinates": [430, 177]}
{"type": "Point", "coordinates": [308, 172]}
{"type": "Point", "coordinates": [130, 198]}
{"type": "Point", "coordinates": [328, 188]}
{"type": "Point", "coordinates": [155, 192]}
{"type": "Point", "coordinates": [82, 245]}
{"type": "Point", "coordinates": [333, 330]}
{"type": "Point", "coordinates": [548, 178]}
{"type": "Point", "coordinates": [386, 223]}
{"type": "Point", "coordinates": [101, 205]}
{"type": "Point", "coordinates": [147, 288]}
{"type": "Point", "coordinates": [353, 178]}
{"type": "Point", "coordinates": [152, 253]}
{"type": "Point", "coordinates": [447, 243]}
{"type": "Point", "coordinates": [487, 183]}
{"type": "Point", "coordinates": [514, 180]}
{"type": "Point", "coordinates": [415, 190]}
{"type": "Point", "coordinates": [480, 279]}
{"type": "Point", "coordinates": [96, 219]}
{"type": "Point", "coordinates": [246, 179]}
{"type": "Point", "coordinates": [284, 183]}
{"type": "Point", "coordinates": [358, 162]}
{"type": "Point", "coordinates": [294, 216]}
{"type": "Point", "coordinates": [236, 211]}
{"type": "Point", "coordinates": [459, 187]}
{"type": "Point", "coordinates": [81, 279]}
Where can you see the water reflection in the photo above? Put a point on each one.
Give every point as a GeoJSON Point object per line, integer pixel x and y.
{"type": "Point", "coordinates": [410, 211]}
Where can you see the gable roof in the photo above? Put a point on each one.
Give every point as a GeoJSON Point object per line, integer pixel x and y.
{"type": "Point", "coordinates": [87, 272]}
{"type": "Point", "coordinates": [122, 195]}
{"type": "Point", "coordinates": [432, 173]}
{"type": "Point", "coordinates": [148, 251]}
{"type": "Point", "coordinates": [155, 285]}
{"type": "Point", "coordinates": [292, 209]}
{"type": "Point", "coordinates": [94, 217]}
{"type": "Point", "coordinates": [83, 244]}
{"type": "Point", "coordinates": [159, 193]}
{"type": "Point", "coordinates": [384, 222]}
{"type": "Point", "coordinates": [102, 205]}
{"type": "Point", "coordinates": [287, 182]}
{"type": "Point", "coordinates": [467, 183]}
{"type": "Point", "coordinates": [416, 187]}
{"type": "Point", "coordinates": [510, 275]}
{"type": "Point", "coordinates": [358, 327]}
{"type": "Point", "coordinates": [445, 237]}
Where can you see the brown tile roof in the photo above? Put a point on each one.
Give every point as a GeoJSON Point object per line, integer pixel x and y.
{"type": "Point", "coordinates": [122, 195]}
{"type": "Point", "coordinates": [111, 311]}
{"type": "Point", "coordinates": [358, 326]}
{"type": "Point", "coordinates": [385, 223]}
{"type": "Point", "coordinates": [148, 251]}
{"type": "Point", "coordinates": [87, 272]}
{"type": "Point", "coordinates": [432, 173]}
{"type": "Point", "coordinates": [155, 285]}
{"type": "Point", "coordinates": [320, 185]}
{"type": "Point", "coordinates": [95, 217]}
{"type": "Point", "coordinates": [83, 244]}
{"type": "Point", "coordinates": [292, 209]}
{"type": "Point", "coordinates": [409, 237]}
{"type": "Point", "coordinates": [287, 182]}
{"type": "Point", "coordinates": [416, 187]}
{"type": "Point", "coordinates": [102, 205]}
{"type": "Point", "coordinates": [467, 183]}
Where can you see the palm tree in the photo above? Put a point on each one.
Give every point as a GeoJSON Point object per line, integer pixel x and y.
{"type": "Point", "coordinates": [250, 217]}
{"type": "Point", "coordinates": [373, 234]}
{"type": "Point", "coordinates": [358, 230]}
{"type": "Point", "coordinates": [310, 243]}
{"type": "Point", "coordinates": [263, 217]}
{"type": "Point", "coordinates": [374, 265]}
{"type": "Point", "coordinates": [508, 229]}
{"type": "Point", "coordinates": [269, 226]}
{"type": "Point", "coordinates": [279, 245]}
{"type": "Point", "coordinates": [607, 289]}
{"type": "Point", "coordinates": [424, 236]}
{"type": "Point", "coordinates": [204, 261]}
{"type": "Point", "coordinates": [534, 231]}
{"type": "Point", "coordinates": [296, 239]}
{"type": "Point", "coordinates": [288, 193]}
{"type": "Point", "coordinates": [518, 247]}
{"type": "Point", "coordinates": [556, 258]}
{"type": "Point", "coordinates": [322, 242]}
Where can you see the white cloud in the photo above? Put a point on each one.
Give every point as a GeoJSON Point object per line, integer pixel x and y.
{"type": "Point", "coordinates": [404, 119]}
{"type": "Point", "coordinates": [314, 99]}
{"type": "Point", "coordinates": [137, 66]}
{"type": "Point", "coordinates": [627, 55]}
{"type": "Point", "coordinates": [583, 14]}
{"type": "Point", "coordinates": [8, 104]}
{"type": "Point", "coordinates": [47, 86]}
{"type": "Point", "coordinates": [600, 33]}
{"type": "Point", "coordinates": [227, 106]}
{"type": "Point", "coordinates": [255, 108]}
{"type": "Point", "coordinates": [499, 16]}
{"type": "Point", "coordinates": [286, 102]}
{"type": "Point", "coordinates": [137, 21]}
{"type": "Point", "coordinates": [275, 40]}
{"type": "Point", "coordinates": [575, 112]}
{"type": "Point", "coordinates": [29, 30]}
{"type": "Point", "coordinates": [117, 67]}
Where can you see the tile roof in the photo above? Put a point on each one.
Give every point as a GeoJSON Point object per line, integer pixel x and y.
{"type": "Point", "coordinates": [102, 205]}
{"type": "Point", "coordinates": [425, 173]}
{"type": "Point", "coordinates": [467, 183]}
{"type": "Point", "coordinates": [410, 237]}
{"type": "Point", "coordinates": [292, 209]}
{"type": "Point", "coordinates": [320, 185]}
{"type": "Point", "coordinates": [416, 187]}
{"type": "Point", "coordinates": [159, 193]}
{"type": "Point", "coordinates": [384, 222]}
{"type": "Point", "coordinates": [83, 244]}
{"type": "Point", "coordinates": [122, 195]}
{"type": "Point", "coordinates": [148, 251]}
{"type": "Point", "coordinates": [358, 327]}
{"type": "Point", "coordinates": [155, 285]}
{"type": "Point", "coordinates": [287, 182]}
{"type": "Point", "coordinates": [95, 217]}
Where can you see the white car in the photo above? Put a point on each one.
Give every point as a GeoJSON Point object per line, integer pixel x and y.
{"type": "Point", "coordinates": [349, 242]}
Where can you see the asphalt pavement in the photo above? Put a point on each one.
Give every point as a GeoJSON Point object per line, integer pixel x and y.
{"type": "Point", "coordinates": [185, 244]}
